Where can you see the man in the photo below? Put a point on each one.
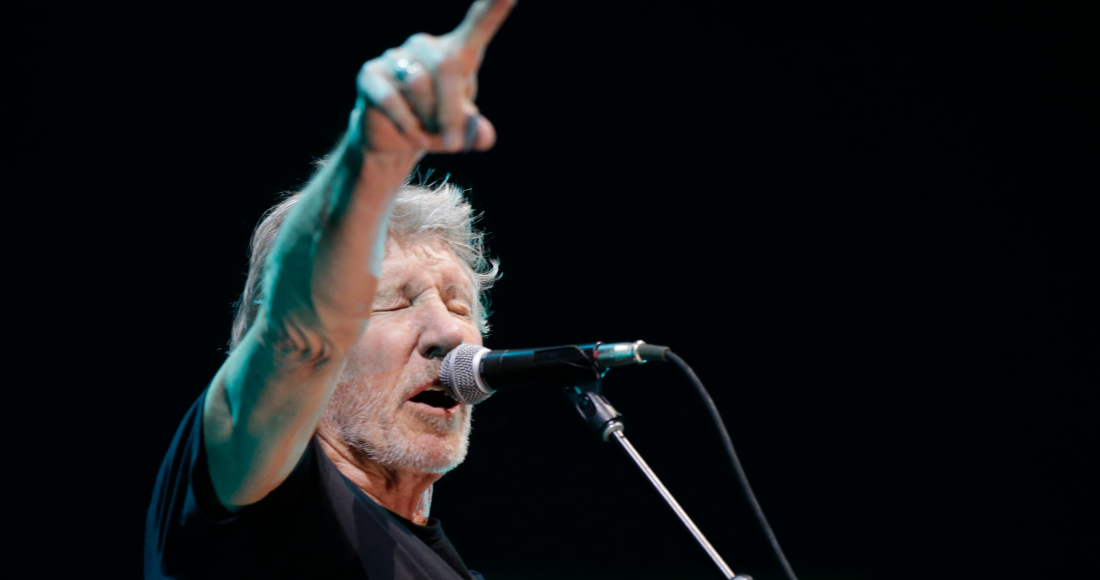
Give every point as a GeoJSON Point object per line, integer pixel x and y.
{"type": "Point", "coordinates": [313, 452]}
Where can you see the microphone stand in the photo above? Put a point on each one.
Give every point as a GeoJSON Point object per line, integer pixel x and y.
{"type": "Point", "coordinates": [605, 420]}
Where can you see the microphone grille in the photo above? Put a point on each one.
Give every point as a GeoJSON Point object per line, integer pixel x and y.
{"type": "Point", "coordinates": [459, 375]}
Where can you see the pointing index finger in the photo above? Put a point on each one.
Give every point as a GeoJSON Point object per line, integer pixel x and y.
{"type": "Point", "coordinates": [481, 23]}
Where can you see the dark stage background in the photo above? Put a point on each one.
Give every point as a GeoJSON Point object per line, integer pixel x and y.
{"type": "Point", "coordinates": [865, 229]}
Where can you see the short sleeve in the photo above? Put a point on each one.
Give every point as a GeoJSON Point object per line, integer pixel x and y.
{"type": "Point", "coordinates": [189, 534]}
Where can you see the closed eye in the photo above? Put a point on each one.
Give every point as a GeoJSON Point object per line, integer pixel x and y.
{"type": "Point", "coordinates": [392, 308]}
{"type": "Point", "coordinates": [459, 308]}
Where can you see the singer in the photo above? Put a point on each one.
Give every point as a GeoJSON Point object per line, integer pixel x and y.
{"type": "Point", "coordinates": [313, 451]}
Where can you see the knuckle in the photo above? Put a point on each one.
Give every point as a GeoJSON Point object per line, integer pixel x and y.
{"type": "Point", "coordinates": [369, 68]}
{"type": "Point", "coordinates": [374, 67]}
{"type": "Point", "coordinates": [418, 39]}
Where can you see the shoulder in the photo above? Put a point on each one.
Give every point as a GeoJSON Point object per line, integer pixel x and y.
{"type": "Point", "coordinates": [190, 534]}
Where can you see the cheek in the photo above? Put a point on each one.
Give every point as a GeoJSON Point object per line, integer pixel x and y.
{"type": "Point", "coordinates": [385, 347]}
{"type": "Point", "coordinates": [472, 336]}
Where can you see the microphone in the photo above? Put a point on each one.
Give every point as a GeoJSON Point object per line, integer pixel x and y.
{"type": "Point", "coordinates": [472, 373]}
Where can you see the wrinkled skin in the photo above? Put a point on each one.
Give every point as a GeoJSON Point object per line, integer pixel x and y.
{"type": "Point", "coordinates": [391, 447]}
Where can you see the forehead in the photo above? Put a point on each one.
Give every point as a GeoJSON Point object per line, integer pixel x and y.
{"type": "Point", "coordinates": [413, 266]}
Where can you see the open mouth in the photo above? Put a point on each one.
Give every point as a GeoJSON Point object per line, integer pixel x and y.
{"type": "Point", "coordinates": [437, 399]}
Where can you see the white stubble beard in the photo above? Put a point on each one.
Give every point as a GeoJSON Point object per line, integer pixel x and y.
{"type": "Point", "coordinates": [365, 417]}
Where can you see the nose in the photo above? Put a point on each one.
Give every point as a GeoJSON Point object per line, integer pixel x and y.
{"type": "Point", "coordinates": [440, 331]}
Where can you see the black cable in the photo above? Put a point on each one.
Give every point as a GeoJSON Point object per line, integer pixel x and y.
{"type": "Point", "coordinates": [749, 495]}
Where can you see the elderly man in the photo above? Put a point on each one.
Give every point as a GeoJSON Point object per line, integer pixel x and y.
{"type": "Point", "coordinates": [313, 451]}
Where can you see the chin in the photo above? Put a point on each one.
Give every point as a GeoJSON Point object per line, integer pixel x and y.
{"type": "Point", "coordinates": [429, 443]}
{"type": "Point", "coordinates": [402, 438]}
{"type": "Point", "coordinates": [426, 450]}
{"type": "Point", "coordinates": [436, 455]}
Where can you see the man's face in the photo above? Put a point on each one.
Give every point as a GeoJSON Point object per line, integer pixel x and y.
{"type": "Point", "coordinates": [389, 404]}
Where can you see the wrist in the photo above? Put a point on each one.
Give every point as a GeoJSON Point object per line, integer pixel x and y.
{"type": "Point", "coordinates": [386, 159]}
{"type": "Point", "coordinates": [387, 170]}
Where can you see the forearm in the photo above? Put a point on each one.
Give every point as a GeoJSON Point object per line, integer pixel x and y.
{"type": "Point", "coordinates": [323, 269]}
{"type": "Point", "coordinates": [322, 272]}
{"type": "Point", "coordinates": [319, 282]}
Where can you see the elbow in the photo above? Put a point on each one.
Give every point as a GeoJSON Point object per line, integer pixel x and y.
{"type": "Point", "coordinates": [295, 343]}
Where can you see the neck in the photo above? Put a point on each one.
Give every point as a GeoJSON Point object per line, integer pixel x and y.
{"type": "Point", "coordinates": [405, 492]}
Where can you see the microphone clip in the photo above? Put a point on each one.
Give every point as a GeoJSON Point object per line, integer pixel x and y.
{"type": "Point", "coordinates": [595, 409]}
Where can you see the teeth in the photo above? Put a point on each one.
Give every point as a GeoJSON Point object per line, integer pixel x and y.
{"type": "Point", "coordinates": [434, 388]}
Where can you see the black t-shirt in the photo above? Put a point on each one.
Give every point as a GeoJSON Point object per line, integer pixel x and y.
{"type": "Point", "coordinates": [317, 524]}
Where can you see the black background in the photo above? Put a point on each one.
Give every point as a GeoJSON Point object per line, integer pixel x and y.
{"type": "Point", "coordinates": [866, 229]}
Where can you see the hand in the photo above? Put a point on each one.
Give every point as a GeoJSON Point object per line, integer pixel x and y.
{"type": "Point", "coordinates": [419, 97]}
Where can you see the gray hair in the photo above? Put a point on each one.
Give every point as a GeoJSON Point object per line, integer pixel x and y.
{"type": "Point", "coordinates": [420, 213]}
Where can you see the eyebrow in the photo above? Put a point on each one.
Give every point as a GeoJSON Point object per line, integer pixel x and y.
{"type": "Point", "coordinates": [461, 291]}
{"type": "Point", "coordinates": [391, 292]}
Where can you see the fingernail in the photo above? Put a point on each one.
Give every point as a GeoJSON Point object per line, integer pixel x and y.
{"type": "Point", "coordinates": [471, 133]}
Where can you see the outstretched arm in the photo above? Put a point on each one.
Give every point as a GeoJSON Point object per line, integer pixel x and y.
{"type": "Point", "coordinates": [265, 402]}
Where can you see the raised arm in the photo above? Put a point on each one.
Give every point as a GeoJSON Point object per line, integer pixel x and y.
{"type": "Point", "coordinates": [264, 404]}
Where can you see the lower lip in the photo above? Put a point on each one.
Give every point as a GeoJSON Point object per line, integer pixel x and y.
{"type": "Point", "coordinates": [430, 410]}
